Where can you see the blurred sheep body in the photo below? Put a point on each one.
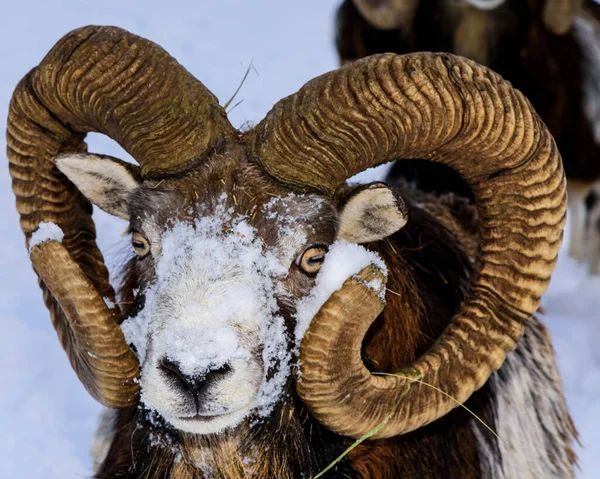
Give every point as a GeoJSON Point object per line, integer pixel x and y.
{"type": "Point", "coordinates": [548, 49]}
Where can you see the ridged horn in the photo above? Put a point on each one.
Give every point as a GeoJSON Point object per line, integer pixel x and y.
{"type": "Point", "coordinates": [101, 79]}
{"type": "Point", "coordinates": [105, 358]}
{"type": "Point", "coordinates": [450, 110]}
{"type": "Point", "coordinates": [388, 14]}
{"type": "Point", "coordinates": [559, 15]}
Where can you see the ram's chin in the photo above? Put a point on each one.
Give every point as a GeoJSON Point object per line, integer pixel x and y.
{"type": "Point", "coordinates": [209, 424]}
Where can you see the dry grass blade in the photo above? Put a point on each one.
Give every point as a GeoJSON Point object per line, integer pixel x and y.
{"type": "Point", "coordinates": [250, 67]}
{"type": "Point", "coordinates": [233, 107]}
{"type": "Point", "coordinates": [375, 429]}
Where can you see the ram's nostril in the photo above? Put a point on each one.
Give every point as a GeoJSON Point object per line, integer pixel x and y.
{"type": "Point", "coordinates": [172, 370]}
{"type": "Point", "coordinates": [194, 384]}
{"type": "Point", "coordinates": [211, 377]}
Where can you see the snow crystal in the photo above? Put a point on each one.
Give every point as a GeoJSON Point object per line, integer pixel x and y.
{"type": "Point", "coordinates": [135, 331]}
{"type": "Point", "coordinates": [108, 302]}
{"type": "Point", "coordinates": [46, 231]}
{"type": "Point", "coordinates": [289, 209]}
{"type": "Point", "coordinates": [277, 361]}
{"type": "Point", "coordinates": [342, 261]}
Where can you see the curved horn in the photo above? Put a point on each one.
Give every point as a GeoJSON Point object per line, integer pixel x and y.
{"type": "Point", "coordinates": [559, 15]}
{"type": "Point", "coordinates": [107, 80]}
{"type": "Point", "coordinates": [388, 14]}
{"type": "Point", "coordinates": [450, 110]}
{"type": "Point", "coordinates": [105, 360]}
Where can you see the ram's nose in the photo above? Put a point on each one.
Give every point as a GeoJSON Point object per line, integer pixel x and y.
{"type": "Point", "coordinates": [196, 385]}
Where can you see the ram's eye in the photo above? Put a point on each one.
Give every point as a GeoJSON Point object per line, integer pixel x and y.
{"type": "Point", "coordinates": [140, 244]}
{"type": "Point", "coordinates": [312, 259]}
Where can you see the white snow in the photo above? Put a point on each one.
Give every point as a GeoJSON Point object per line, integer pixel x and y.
{"type": "Point", "coordinates": [47, 231]}
{"type": "Point", "coordinates": [343, 260]}
{"type": "Point", "coordinates": [48, 418]}
{"type": "Point", "coordinates": [212, 304]}
{"type": "Point", "coordinates": [135, 331]}
{"type": "Point", "coordinates": [276, 359]}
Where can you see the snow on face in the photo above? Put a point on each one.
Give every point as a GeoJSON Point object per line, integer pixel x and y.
{"type": "Point", "coordinates": [211, 339]}
{"type": "Point", "coordinates": [212, 312]}
{"type": "Point", "coordinates": [343, 261]}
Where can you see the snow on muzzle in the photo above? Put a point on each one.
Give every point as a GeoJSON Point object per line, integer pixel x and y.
{"type": "Point", "coordinates": [211, 344]}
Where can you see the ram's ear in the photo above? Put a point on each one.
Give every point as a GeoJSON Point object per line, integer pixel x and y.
{"type": "Point", "coordinates": [106, 181]}
{"type": "Point", "coordinates": [371, 213]}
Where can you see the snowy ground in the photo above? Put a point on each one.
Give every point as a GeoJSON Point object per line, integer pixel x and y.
{"type": "Point", "coordinates": [46, 416]}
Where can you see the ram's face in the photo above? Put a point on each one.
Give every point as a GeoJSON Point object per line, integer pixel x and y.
{"type": "Point", "coordinates": [219, 271]}
{"type": "Point", "coordinates": [218, 288]}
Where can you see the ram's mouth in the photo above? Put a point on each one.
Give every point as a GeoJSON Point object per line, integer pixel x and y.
{"type": "Point", "coordinates": [210, 415]}
{"type": "Point", "coordinates": [202, 418]}
{"type": "Point", "coordinates": [210, 424]}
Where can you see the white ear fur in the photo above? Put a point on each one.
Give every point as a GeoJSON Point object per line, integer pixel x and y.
{"type": "Point", "coordinates": [107, 182]}
{"type": "Point", "coordinates": [371, 214]}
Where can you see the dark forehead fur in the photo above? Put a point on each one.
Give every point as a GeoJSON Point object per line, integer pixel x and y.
{"type": "Point", "coordinates": [229, 180]}
{"type": "Point", "coordinates": [247, 190]}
